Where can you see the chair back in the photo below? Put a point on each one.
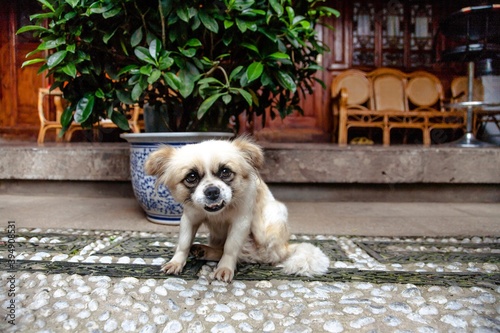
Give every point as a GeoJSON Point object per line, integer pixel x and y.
{"type": "Point", "coordinates": [356, 83]}
{"type": "Point", "coordinates": [388, 90]}
{"type": "Point", "coordinates": [459, 88]}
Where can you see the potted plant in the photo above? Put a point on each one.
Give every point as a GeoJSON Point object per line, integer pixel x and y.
{"type": "Point", "coordinates": [201, 64]}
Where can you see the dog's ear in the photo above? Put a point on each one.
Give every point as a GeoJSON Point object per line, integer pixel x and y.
{"type": "Point", "coordinates": [157, 161]}
{"type": "Point", "coordinates": [251, 151]}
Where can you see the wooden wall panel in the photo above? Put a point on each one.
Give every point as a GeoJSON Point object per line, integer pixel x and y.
{"type": "Point", "coordinates": [28, 82]}
{"type": "Point", "coordinates": [18, 86]}
{"type": "Point", "coordinates": [7, 70]}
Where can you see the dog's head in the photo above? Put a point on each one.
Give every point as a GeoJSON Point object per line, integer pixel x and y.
{"type": "Point", "coordinates": [211, 175]}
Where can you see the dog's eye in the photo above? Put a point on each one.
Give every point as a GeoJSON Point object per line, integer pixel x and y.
{"type": "Point", "coordinates": [191, 178]}
{"type": "Point", "coordinates": [225, 173]}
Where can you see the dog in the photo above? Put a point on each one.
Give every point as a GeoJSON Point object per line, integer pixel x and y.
{"type": "Point", "coordinates": [219, 185]}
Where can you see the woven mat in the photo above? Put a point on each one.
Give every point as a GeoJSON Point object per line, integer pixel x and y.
{"type": "Point", "coordinates": [459, 261]}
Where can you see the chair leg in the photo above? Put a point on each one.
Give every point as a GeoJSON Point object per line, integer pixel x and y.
{"type": "Point", "coordinates": [387, 136]}
{"type": "Point", "coordinates": [72, 129]}
{"type": "Point", "coordinates": [41, 135]}
{"type": "Point", "coordinates": [343, 135]}
{"type": "Point", "coordinates": [426, 135]}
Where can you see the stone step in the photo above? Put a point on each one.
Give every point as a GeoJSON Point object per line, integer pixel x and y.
{"type": "Point", "coordinates": [285, 163]}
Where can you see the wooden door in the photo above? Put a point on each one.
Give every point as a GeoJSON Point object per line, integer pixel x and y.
{"type": "Point", "coordinates": [18, 86]}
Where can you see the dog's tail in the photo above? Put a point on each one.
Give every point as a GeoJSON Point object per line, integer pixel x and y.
{"type": "Point", "coordinates": [305, 259]}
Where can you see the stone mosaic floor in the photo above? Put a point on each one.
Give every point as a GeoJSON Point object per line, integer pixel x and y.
{"type": "Point", "coordinates": [109, 281]}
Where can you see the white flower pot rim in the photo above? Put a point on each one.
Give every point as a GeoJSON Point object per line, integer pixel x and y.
{"type": "Point", "coordinates": [175, 136]}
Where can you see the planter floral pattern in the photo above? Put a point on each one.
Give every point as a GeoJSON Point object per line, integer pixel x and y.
{"type": "Point", "coordinates": [154, 198]}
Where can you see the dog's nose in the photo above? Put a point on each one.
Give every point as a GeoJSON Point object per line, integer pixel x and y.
{"type": "Point", "coordinates": [212, 193]}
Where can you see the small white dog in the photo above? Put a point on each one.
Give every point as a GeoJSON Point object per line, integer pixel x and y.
{"type": "Point", "coordinates": [219, 185]}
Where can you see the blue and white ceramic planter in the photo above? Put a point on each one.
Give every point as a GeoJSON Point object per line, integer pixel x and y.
{"type": "Point", "coordinates": [155, 200]}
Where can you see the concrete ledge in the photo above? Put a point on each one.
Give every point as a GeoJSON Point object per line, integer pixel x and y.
{"type": "Point", "coordinates": [75, 161]}
{"type": "Point", "coordinates": [288, 192]}
{"type": "Point", "coordinates": [381, 165]}
{"type": "Point", "coordinates": [285, 163]}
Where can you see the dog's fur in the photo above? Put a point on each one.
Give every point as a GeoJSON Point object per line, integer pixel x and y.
{"type": "Point", "coordinates": [219, 185]}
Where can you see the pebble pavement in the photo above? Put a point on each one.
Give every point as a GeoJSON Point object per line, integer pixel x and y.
{"type": "Point", "coordinates": [59, 302]}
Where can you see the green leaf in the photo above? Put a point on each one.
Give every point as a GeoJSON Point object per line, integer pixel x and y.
{"type": "Point", "coordinates": [253, 12]}
{"type": "Point", "coordinates": [172, 80]}
{"type": "Point", "coordinates": [207, 104]}
{"type": "Point", "coordinates": [108, 36]}
{"type": "Point", "coordinates": [329, 11]}
{"type": "Point", "coordinates": [209, 80]}
{"type": "Point", "coordinates": [155, 48]}
{"type": "Point", "coordinates": [188, 52]}
{"type": "Point", "coordinates": [286, 81]}
{"type": "Point", "coordinates": [120, 120]}
{"type": "Point", "coordinates": [99, 93]}
{"type": "Point", "coordinates": [42, 16]}
{"type": "Point", "coordinates": [35, 51]}
{"type": "Point", "coordinates": [235, 72]}
{"type": "Point", "coordinates": [155, 75]}
{"type": "Point", "coordinates": [254, 71]}
{"type": "Point", "coordinates": [277, 7]}
{"type": "Point", "coordinates": [227, 99]}
{"type": "Point", "coordinates": [42, 69]}
{"type": "Point", "coordinates": [143, 54]}
{"type": "Point", "coordinates": [27, 28]}
{"type": "Point", "coordinates": [126, 69]}
{"type": "Point", "coordinates": [137, 92]}
{"type": "Point", "coordinates": [32, 61]}
{"type": "Point", "coordinates": [208, 21]}
{"type": "Point", "coordinates": [300, 19]}
{"type": "Point", "coordinates": [84, 108]}
{"type": "Point", "coordinates": [271, 36]}
{"type": "Point", "coordinates": [323, 85]}
{"type": "Point", "coordinates": [193, 42]}
{"type": "Point", "coordinates": [252, 47]}
{"type": "Point", "coordinates": [47, 4]}
{"type": "Point", "coordinates": [136, 37]}
{"type": "Point", "coordinates": [70, 69]}
{"type": "Point", "coordinates": [146, 70]}
{"type": "Point", "coordinates": [183, 13]}
{"type": "Point", "coordinates": [124, 97]}
{"type": "Point", "coordinates": [246, 95]}
{"type": "Point", "coordinates": [279, 55]}
{"type": "Point", "coordinates": [72, 3]}
{"type": "Point", "coordinates": [66, 117]}
{"type": "Point", "coordinates": [112, 12]}
{"type": "Point", "coordinates": [97, 8]}
{"type": "Point", "coordinates": [242, 25]}
{"type": "Point", "coordinates": [69, 16]}
{"type": "Point", "coordinates": [165, 62]}
{"type": "Point", "coordinates": [56, 58]}
{"type": "Point", "coordinates": [51, 44]}
{"type": "Point", "coordinates": [290, 12]}
{"type": "Point", "coordinates": [186, 83]}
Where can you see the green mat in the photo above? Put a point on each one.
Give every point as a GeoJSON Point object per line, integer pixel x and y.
{"type": "Point", "coordinates": [462, 262]}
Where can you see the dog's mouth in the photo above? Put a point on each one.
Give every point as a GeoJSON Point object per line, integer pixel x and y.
{"type": "Point", "coordinates": [215, 207]}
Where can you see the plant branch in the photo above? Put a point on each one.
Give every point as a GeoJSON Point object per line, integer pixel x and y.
{"type": "Point", "coordinates": [218, 67]}
{"type": "Point", "coordinates": [142, 16]}
{"type": "Point", "coordinates": [162, 21]}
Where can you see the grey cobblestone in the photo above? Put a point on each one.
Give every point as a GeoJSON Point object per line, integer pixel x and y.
{"type": "Point", "coordinates": [62, 302]}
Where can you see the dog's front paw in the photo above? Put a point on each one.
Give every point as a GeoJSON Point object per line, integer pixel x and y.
{"type": "Point", "coordinates": [173, 267]}
{"type": "Point", "coordinates": [225, 274]}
